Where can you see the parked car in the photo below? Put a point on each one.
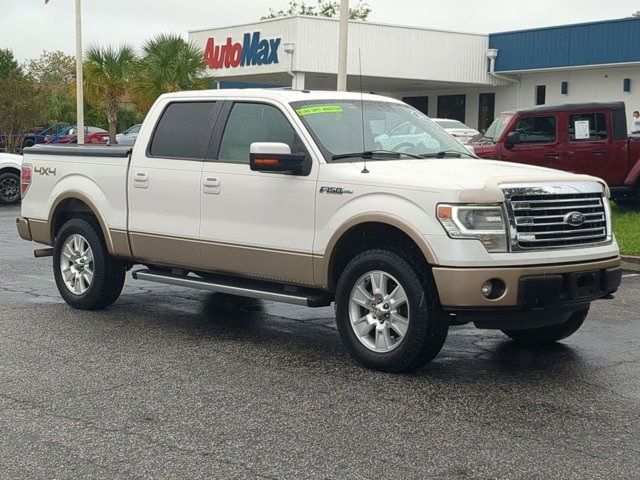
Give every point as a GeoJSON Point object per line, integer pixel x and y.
{"type": "Point", "coordinates": [33, 137]}
{"type": "Point", "coordinates": [70, 135]}
{"type": "Point", "coordinates": [457, 129]}
{"type": "Point", "coordinates": [10, 168]}
{"type": "Point", "coordinates": [405, 137]}
{"type": "Point", "coordinates": [589, 138]}
{"type": "Point", "coordinates": [282, 198]}
{"type": "Point", "coordinates": [128, 137]}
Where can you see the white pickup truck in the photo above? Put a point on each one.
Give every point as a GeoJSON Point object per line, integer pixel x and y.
{"type": "Point", "coordinates": [293, 196]}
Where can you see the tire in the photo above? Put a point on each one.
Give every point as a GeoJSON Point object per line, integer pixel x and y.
{"type": "Point", "coordinates": [550, 334]}
{"type": "Point", "coordinates": [426, 329]}
{"type": "Point", "coordinates": [96, 283]}
{"type": "Point", "coordinates": [9, 188]}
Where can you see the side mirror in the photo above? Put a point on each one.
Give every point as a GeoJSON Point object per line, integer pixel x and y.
{"type": "Point", "coordinates": [513, 138]}
{"type": "Point", "coordinates": [275, 157]}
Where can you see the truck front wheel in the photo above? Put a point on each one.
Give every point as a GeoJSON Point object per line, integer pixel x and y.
{"type": "Point", "coordinates": [88, 278]}
{"type": "Point", "coordinates": [550, 334]}
{"type": "Point", "coordinates": [388, 312]}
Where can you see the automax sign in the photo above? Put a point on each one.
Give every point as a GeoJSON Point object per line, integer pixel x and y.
{"type": "Point", "coordinates": [253, 50]}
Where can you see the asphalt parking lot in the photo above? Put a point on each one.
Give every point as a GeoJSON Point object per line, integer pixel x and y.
{"type": "Point", "coordinates": [173, 383]}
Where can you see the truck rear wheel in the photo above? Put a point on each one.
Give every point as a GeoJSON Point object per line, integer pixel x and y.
{"type": "Point", "coordinates": [550, 334]}
{"type": "Point", "coordinates": [88, 278]}
{"type": "Point", "coordinates": [388, 313]}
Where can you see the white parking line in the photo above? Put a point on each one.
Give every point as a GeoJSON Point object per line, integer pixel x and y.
{"type": "Point", "coordinates": [629, 275]}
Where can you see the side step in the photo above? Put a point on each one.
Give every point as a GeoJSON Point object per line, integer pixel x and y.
{"type": "Point", "coordinates": [241, 287]}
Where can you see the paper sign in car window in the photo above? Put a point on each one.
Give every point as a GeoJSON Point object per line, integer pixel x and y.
{"type": "Point", "coordinates": [319, 109]}
{"type": "Point", "coordinates": [582, 130]}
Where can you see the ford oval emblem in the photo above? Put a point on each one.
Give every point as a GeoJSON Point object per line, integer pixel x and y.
{"type": "Point", "coordinates": [575, 219]}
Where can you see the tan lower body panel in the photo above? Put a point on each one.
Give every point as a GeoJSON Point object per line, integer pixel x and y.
{"type": "Point", "coordinates": [460, 287]}
{"type": "Point", "coordinates": [40, 231]}
{"type": "Point", "coordinates": [274, 265]}
{"type": "Point", "coordinates": [24, 230]}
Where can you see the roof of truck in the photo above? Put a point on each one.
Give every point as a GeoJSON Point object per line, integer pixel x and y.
{"type": "Point", "coordinates": [570, 107]}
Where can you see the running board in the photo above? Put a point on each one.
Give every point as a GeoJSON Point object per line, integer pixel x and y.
{"type": "Point", "coordinates": [241, 287]}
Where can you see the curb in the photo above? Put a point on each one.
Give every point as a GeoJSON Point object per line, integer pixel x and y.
{"type": "Point", "coordinates": [630, 263]}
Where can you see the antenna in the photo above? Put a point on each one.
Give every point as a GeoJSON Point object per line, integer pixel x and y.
{"type": "Point", "coordinates": [364, 141]}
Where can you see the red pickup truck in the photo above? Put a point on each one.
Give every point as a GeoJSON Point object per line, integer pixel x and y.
{"type": "Point", "coordinates": [586, 138]}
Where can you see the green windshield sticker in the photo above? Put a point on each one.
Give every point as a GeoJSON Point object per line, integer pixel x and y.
{"type": "Point", "coordinates": [319, 109]}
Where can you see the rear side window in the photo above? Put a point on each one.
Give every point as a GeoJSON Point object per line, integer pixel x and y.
{"type": "Point", "coordinates": [184, 130]}
{"type": "Point", "coordinates": [537, 130]}
{"type": "Point", "coordinates": [587, 127]}
{"type": "Point", "coordinates": [255, 122]}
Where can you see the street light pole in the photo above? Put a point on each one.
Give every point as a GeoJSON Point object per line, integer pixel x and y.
{"type": "Point", "coordinates": [79, 80]}
{"type": "Point", "coordinates": [343, 45]}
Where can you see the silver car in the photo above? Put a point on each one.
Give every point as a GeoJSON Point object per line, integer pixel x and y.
{"type": "Point", "coordinates": [128, 137]}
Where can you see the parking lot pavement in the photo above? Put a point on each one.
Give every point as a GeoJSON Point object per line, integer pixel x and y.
{"type": "Point", "coordinates": [172, 383]}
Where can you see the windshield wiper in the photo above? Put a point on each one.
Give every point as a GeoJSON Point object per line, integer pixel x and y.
{"type": "Point", "coordinates": [446, 153]}
{"type": "Point", "coordinates": [369, 154]}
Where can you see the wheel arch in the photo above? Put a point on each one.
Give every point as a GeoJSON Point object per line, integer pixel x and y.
{"type": "Point", "coordinates": [365, 231]}
{"type": "Point", "coordinates": [10, 169]}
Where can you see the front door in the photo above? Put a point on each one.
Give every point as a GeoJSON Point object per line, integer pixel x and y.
{"type": "Point", "coordinates": [164, 185]}
{"type": "Point", "coordinates": [539, 142]}
{"type": "Point", "coordinates": [253, 223]}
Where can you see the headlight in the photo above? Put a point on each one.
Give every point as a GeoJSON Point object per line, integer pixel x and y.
{"type": "Point", "coordinates": [480, 222]}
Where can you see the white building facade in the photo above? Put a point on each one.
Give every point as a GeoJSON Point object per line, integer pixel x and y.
{"type": "Point", "coordinates": [444, 74]}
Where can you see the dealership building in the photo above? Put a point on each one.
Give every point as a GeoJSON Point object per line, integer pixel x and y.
{"type": "Point", "coordinates": [466, 76]}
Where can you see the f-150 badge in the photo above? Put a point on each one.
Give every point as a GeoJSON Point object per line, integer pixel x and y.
{"type": "Point", "coordinates": [336, 191]}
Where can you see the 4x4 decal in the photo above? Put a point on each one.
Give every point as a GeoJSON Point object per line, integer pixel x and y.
{"type": "Point", "coordinates": [46, 171]}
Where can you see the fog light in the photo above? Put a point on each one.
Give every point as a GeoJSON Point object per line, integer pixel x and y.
{"type": "Point", "coordinates": [493, 289]}
{"type": "Point", "coordinates": [487, 288]}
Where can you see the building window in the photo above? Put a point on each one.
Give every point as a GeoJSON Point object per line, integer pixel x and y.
{"type": "Point", "coordinates": [452, 107]}
{"type": "Point", "coordinates": [541, 94]}
{"type": "Point", "coordinates": [419, 103]}
{"type": "Point", "coordinates": [487, 110]}
{"type": "Point", "coordinates": [537, 130]}
{"type": "Point", "coordinates": [597, 127]}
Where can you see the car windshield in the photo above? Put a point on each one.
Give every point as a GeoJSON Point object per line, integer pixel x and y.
{"type": "Point", "coordinates": [389, 127]}
{"type": "Point", "coordinates": [497, 127]}
{"type": "Point", "coordinates": [451, 124]}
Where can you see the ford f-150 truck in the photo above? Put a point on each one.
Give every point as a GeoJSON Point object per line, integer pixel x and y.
{"type": "Point", "coordinates": [588, 138]}
{"type": "Point", "coordinates": [288, 196]}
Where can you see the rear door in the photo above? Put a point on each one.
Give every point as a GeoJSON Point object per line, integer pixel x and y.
{"type": "Point", "coordinates": [539, 144]}
{"type": "Point", "coordinates": [589, 146]}
{"type": "Point", "coordinates": [164, 184]}
{"type": "Point", "coordinates": [254, 223]}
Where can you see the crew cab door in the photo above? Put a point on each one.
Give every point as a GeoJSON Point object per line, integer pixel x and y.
{"type": "Point", "coordinates": [254, 223]}
{"type": "Point", "coordinates": [539, 142]}
{"type": "Point", "coordinates": [164, 184]}
{"type": "Point", "coordinates": [589, 147]}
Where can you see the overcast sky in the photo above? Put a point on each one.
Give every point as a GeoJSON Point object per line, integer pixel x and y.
{"type": "Point", "coordinates": [28, 26]}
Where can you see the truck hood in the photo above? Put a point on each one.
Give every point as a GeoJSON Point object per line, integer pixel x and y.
{"type": "Point", "coordinates": [477, 180]}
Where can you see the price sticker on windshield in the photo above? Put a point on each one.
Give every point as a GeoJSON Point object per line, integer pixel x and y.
{"type": "Point", "coordinates": [319, 109]}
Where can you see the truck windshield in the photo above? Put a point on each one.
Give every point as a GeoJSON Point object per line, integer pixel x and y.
{"type": "Point", "coordinates": [388, 128]}
{"type": "Point", "coordinates": [497, 127]}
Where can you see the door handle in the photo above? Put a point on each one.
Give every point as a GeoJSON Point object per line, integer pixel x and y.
{"type": "Point", "coordinates": [553, 155]}
{"type": "Point", "coordinates": [599, 152]}
{"type": "Point", "coordinates": [211, 186]}
{"type": "Point", "coordinates": [141, 180]}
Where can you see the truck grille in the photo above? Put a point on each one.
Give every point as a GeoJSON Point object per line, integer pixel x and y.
{"type": "Point", "coordinates": [541, 218]}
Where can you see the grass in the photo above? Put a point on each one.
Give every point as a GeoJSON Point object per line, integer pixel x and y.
{"type": "Point", "coordinates": [626, 226]}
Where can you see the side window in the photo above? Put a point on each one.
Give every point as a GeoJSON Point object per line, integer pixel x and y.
{"type": "Point", "coordinates": [587, 127]}
{"type": "Point", "coordinates": [537, 130]}
{"type": "Point", "coordinates": [255, 122]}
{"type": "Point", "coordinates": [183, 130]}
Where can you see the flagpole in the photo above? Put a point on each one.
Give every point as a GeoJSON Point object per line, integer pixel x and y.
{"type": "Point", "coordinates": [79, 77]}
{"type": "Point", "coordinates": [343, 41]}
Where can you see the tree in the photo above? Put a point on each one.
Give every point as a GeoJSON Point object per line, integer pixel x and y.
{"type": "Point", "coordinates": [168, 64]}
{"type": "Point", "coordinates": [637, 14]}
{"type": "Point", "coordinates": [55, 73]}
{"type": "Point", "coordinates": [323, 8]}
{"type": "Point", "coordinates": [8, 63]}
{"type": "Point", "coordinates": [108, 73]}
{"type": "Point", "coordinates": [21, 101]}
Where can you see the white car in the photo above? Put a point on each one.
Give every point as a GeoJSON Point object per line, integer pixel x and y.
{"type": "Point", "coordinates": [128, 137]}
{"type": "Point", "coordinates": [10, 168]}
{"type": "Point", "coordinates": [283, 196]}
{"type": "Point", "coordinates": [457, 129]}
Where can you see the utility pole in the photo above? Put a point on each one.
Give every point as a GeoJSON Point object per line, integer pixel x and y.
{"type": "Point", "coordinates": [79, 80]}
{"type": "Point", "coordinates": [343, 45]}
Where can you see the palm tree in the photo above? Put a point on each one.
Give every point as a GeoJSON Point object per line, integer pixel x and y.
{"type": "Point", "coordinates": [168, 64]}
{"type": "Point", "coordinates": [108, 73]}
